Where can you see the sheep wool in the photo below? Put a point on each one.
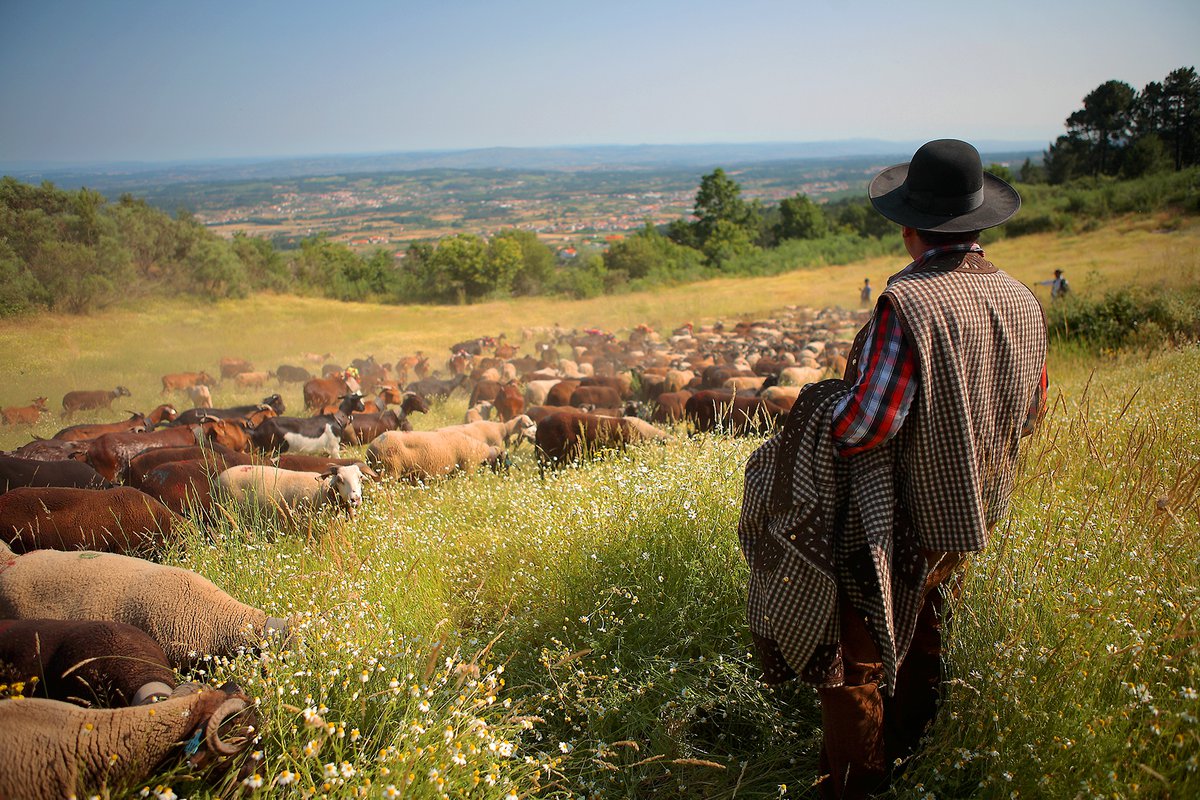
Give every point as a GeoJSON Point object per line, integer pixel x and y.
{"type": "Point", "coordinates": [423, 455]}
{"type": "Point", "coordinates": [184, 612]}
{"type": "Point", "coordinates": [50, 750]}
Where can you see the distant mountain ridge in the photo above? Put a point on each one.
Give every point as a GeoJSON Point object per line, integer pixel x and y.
{"type": "Point", "coordinates": [538, 158]}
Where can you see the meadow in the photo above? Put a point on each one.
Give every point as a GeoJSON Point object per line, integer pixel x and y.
{"type": "Point", "coordinates": [502, 635]}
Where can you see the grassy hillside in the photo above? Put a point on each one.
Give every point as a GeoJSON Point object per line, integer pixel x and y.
{"type": "Point", "coordinates": [51, 354]}
{"type": "Point", "coordinates": [505, 636]}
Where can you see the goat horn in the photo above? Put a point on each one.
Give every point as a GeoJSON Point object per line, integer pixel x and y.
{"type": "Point", "coordinates": [227, 709]}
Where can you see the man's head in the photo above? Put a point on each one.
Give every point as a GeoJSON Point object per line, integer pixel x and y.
{"type": "Point", "coordinates": [1058, 273]}
{"type": "Point", "coordinates": [944, 190]}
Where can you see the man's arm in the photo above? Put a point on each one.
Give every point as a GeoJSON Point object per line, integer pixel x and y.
{"type": "Point", "coordinates": [887, 382]}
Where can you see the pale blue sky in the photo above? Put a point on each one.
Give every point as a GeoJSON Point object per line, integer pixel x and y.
{"type": "Point", "coordinates": [152, 80]}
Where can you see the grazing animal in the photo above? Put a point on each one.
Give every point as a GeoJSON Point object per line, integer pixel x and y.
{"type": "Point", "coordinates": [246, 380]}
{"type": "Point", "coordinates": [711, 410]}
{"type": "Point", "coordinates": [800, 376]}
{"type": "Point", "coordinates": [568, 434]}
{"type": "Point", "coordinates": [201, 396]}
{"type": "Point", "coordinates": [89, 663]}
{"type": "Point", "coordinates": [602, 396]}
{"type": "Point", "coordinates": [24, 415]}
{"type": "Point", "coordinates": [509, 402]}
{"type": "Point", "coordinates": [91, 399]}
{"type": "Point", "coordinates": [536, 391]}
{"type": "Point", "coordinates": [117, 520]}
{"type": "Point", "coordinates": [162, 415]}
{"type": "Point", "coordinates": [364, 427]}
{"type": "Point", "coordinates": [670, 406]}
{"type": "Point", "coordinates": [478, 412]}
{"type": "Point", "coordinates": [51, 750]}
{"type": "Point", "coordinates": [560, 393]}
{"type": "Point", "coordinates": [303, 463]}
{"type": "Point", "coordinates": [320, 434]}
{"type": "Point", "coordinates": [180, 381]}
{"type": "Point", "coordinates": [51, 450]}
{"type": "Point", "coordinates": [249, 413]}
{"type": "Point", "coordinates": [232, 367]}
{"type": "Point", "coordinates": [141, 464]}
{"type": "Point", "coordinates": [434, 388]}
{"type": "Point", "coordinates": [18, 472]}
{"type": "Point", "coordinates": [184, 612]}
{"type": "Point", "coordinates": [280, 491]}
{"type": "Point", "coordinates": [111, 453]}
{"type": "Point", "coordinates": [286, 373]}
{"type": "Point", "coordinates": [185, 487]}
{"type": "Point", "coordinates": [77, 433]}
{"type": "Point", "coordinates": [321, 392]}
{"type": "Point", "coordinates": [495, 434]}
{"type": "Point", "coordinates": [424, 455]}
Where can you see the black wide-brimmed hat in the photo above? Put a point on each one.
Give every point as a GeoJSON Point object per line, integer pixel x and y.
{"type": "Point", "coordinates": [944, 189]}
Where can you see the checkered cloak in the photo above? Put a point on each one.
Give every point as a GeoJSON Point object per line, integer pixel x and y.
{"type": "Point", "coordinates": [814, 524]}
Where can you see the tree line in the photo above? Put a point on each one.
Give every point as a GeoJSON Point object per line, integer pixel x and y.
{"type": "Point", "coordinates": [1123, 132]}
{"type": "Point", "coordinates": [75, 251]}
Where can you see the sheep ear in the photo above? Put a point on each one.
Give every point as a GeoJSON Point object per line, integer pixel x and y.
{"type": "Point", "coordinates": [332, 471]}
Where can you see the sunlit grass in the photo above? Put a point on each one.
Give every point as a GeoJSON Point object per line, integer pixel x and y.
{"type": "Point", "coordinates": [584, 635]}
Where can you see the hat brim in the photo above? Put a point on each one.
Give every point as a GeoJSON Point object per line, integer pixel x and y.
{"type": "Point", "coordinates": [888, 195]}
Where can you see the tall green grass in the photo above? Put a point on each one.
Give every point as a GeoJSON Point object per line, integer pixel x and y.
{"type": "Point", "coordinates": [583, 635]}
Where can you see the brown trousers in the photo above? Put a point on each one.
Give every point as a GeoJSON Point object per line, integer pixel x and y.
{"type": "Point", "coordinates": [864, 731]}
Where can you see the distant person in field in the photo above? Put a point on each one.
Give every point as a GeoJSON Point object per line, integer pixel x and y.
{"type": "Point", "coordinates": [859, 512]}
{"type": "Point", "coordinates": [864, 295]}
{"type": "Point", "coordinates": [1058, 285]}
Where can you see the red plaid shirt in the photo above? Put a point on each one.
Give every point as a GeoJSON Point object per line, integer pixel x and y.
{"type": "Point", "coordinates": [879, 401]}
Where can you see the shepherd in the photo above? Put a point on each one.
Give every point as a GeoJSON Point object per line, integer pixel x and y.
{"type": "Point", "coordinates": [859, 512]}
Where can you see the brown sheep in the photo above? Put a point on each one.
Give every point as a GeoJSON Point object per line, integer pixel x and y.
{"type": "Point", "coordinates": [180, 381]}
{"type": "Point", "coordinates": [24, 415]}
{"type": "Point", "coordinates": [107, 664]}
{"type": "Point", "coordinates": [90, 399]}
{"type": "Point", "coordinates": [560, 393]}
{"type": "Point", "coordinates": [568, 435]}
{"type": "Point", "coordinates": [50, 750]}
{"type": "Point", "coordinates": [119, 520]}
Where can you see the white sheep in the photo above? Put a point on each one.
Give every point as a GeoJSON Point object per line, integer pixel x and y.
{"type": "Point", "coordinates": [184, 612]}
{"type": "Point", "coordinates": [496, 434]}
{"type": "Point", "coordinates": [479, 412]}
{"type": "Point", "coordinates": [677, 379]}
{"type": "Point", "coordinates": [800, 376]}
{"type": "Point", "coordinates": [743, 382]}
{"type": "Point", "coordinates": [781, 394]}
{"type": "Point", "coordinates": [424, 455]}
{"type": "Point", "coordinates": [273, 490]}
{"type": "Point", "coordinates": [537, 391]}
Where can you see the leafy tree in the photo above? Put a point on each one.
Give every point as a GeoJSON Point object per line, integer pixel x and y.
{"type": "Point", "coordinates": [459, 267]}
{"type": "Point", "coordinates": [1000, 171]}
{"type": "Point", "coordinates": [1104, 122]}
{"type": "Point", "coordinates": [719, 199]}
{"type": "Point", "coordinates": [215, 271]}
{"type": "Point", "coordinates": [726, 242]}
{"type": "Point", "coordinates": [648, 253]}
{"type": "Point", "coordinates": [801, 218]}
{"type": "Point", "coordinates": [537, 261]}
{"type": "Point", "coordinates": [263, 264]}
{"type": "Point", "coordinates": [1181, 115]}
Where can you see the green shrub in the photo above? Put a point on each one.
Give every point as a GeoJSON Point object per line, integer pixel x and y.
{"type": "Point", "coordinates": [1127, 317]}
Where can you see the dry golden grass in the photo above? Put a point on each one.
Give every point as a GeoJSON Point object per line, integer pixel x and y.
{"type": "Point", "coordinates": [52, 354]}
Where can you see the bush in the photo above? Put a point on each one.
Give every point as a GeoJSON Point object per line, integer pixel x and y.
{"type": "Point", "coordinates": [1126, 317]}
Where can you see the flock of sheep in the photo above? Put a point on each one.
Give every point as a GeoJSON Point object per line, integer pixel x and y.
{"type": "Point", "coordinates": [97, 634]}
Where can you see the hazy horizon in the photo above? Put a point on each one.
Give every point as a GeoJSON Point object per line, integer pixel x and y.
{"type": "Point", "coordinates": [148, 82]}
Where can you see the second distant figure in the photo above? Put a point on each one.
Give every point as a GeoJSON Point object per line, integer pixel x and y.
{"type": "Point", "coordinates": [864, 296]}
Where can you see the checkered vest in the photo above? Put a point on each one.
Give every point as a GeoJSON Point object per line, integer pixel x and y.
{"type": "Point", "coordinates": [980, 342]}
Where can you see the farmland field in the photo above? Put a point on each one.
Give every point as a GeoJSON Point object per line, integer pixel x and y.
{"type": "Point", "coordinates": [583, 635]}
